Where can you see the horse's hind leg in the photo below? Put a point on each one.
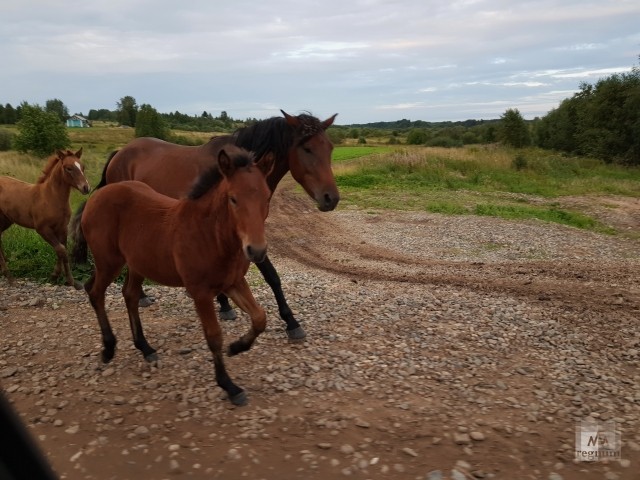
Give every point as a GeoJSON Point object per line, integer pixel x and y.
{"type": "Point", "coordinates": [213, 334]}
{"type": "Point", "coordinates": [96, 288]}
{"type": "Point", "coordinates": [294, 331]}
{"type": "Point", "coordinates": [242, 296]}
{"type": "Point", "coordinates": [131, 291]}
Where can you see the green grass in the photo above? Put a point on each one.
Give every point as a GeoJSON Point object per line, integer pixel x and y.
{"type": "Point", "coordinates": [483, 181]}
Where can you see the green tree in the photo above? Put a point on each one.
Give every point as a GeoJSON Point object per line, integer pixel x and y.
{"type": "Point", "coordinates": [417, 136]}
{"type": "Point", "coordinates": [57, 107]}
{"type": "Point", "coordinates": [514, 130]}
{"type": "Point", "coordinates": [10, 115]}
{"type": "Point", "coordinates": [127, 111]}
{"type": "Point", "coordinates": [149, 123]}
{"type": "Point", "coordinates": [40, 132]}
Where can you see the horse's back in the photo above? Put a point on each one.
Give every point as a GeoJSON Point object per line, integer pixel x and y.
{"type": "Point", "coordinates": [168, 168]}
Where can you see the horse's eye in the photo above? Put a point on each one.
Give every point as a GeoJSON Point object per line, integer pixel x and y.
{"type": "Point", "coordinates": [233, 201]}
{"type": "Point", "coordinates": [306, 149]}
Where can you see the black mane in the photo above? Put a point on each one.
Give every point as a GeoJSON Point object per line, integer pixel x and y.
{"type": "Point", "coordinates": [212, 177]}
{"type": "Point", "coordinates": [276, 135]}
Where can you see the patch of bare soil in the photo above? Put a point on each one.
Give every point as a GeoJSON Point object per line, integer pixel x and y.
{"type": "Point", "coordinates": [438, 348]}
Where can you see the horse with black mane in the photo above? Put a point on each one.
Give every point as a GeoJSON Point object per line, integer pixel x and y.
{"type": "Point", "coordinates": [298, 144]}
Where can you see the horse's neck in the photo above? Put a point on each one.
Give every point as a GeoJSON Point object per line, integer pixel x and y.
{"type": "Point", "coordinates": [55, 187]}
{"type": "Point", "coordinates": [280, 169]}
{"type": "Point", "coordinates": [212, 207]}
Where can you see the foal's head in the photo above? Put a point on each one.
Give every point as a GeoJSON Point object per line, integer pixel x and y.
{"type": "Point", "coordinates": [242, 181]}
{"type": "Point", "coordinates": [71, 169]}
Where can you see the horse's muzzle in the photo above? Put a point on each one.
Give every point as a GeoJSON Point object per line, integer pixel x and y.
{"type": "Point", "coordinates": [84, 189]}
{"type": "Point", "coordinates": [328, 202]}
{"type": "Point", "coordinates": [255, 254]}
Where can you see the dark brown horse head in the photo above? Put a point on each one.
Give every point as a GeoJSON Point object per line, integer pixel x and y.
{"type": "Point", "coordinates": [73, 169]}
{"type": "Point", "coordinates": [248, 195]}
{"type": "Point", "coordinates": [310, 159]}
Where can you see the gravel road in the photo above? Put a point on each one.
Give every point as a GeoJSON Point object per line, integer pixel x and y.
{"type": "Point", "coordinates": [438, 347]}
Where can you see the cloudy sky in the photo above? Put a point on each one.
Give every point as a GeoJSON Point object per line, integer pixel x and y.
{"type": "Point", "coordinates": [367, 60]}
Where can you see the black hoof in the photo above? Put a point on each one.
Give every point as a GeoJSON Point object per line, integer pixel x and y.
{"type": "Point", "coordinates": [239, 399]}
{"type": "Point", "coordinates": [77, 285]}
{"type": "Point", "coordinates": [297, 335]}
{"type": "Point", "coordinates": [145, 302]}
{"type": "Point", "coordinates": [228, 314]}
{"type": "Point", "coordinates": [151, 358]}
{"type": "Point", "coordinates": [107, 356]}
{"type": "Point", "coordinates": [237, 347]}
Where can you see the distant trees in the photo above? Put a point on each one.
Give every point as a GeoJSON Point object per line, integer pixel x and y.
{"type": "Point", "coordinates": [149, 123]}
{"type": "Point", "coordinates": [513, 129]}
{"type": "Point", "coordinates": [601, 120]}
{"type": "Point", "coordinates": [39, 131]}
{"type": "Point", "coordinates": [58, 108]}
{"type": "Point", "coordinates": [127, 111]}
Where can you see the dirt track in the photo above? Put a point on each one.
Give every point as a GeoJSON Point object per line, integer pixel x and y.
{"type": "Point", "coordinates": [463, 347]}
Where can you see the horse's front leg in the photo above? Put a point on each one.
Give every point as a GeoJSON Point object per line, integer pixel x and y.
{"type": "Point", "coordinates": [242, 296]}
{"type": "Point", "coordinates": [62, 262]}
{"type": "Point", "coordinates": [294, 331]}
{"type": "Point", "coordinates": [205, 308]}
{"type": "Point", "coordinates": [131, 291]}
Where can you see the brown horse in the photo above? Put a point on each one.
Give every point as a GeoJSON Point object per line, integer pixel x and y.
{"type": "Point", "coordinates": [298, 143]}
{"type": "Point", "coordinates": [203, 242]}
{"type": "Point", "coordinates": [44, 206]}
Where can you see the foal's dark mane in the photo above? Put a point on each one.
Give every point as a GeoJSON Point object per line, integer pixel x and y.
{"type": "Point", "coordinates": [213, 176]}
{"type": "Point", "coordinates": [276, 135]}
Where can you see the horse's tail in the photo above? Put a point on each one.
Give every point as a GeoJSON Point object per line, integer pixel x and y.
{"type": "Point", "coordinates": [80, 251]}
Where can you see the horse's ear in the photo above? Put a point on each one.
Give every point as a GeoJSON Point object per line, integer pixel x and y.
{"type": "Point", "coordinates": [225, 164]}
{"type": "Point", "coordinates": [329, 121]}
{"type": "Point", "coordinates": [291, 120]}
{"type": "Point", "coordinates": [79, 153]}
{"type": "Point", "coordinates": [266, 163]}
{"type": "Point", "coordinates": [60, 154]}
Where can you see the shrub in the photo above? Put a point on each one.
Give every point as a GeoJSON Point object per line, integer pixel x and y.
{"type": "Point", "coordinates": [519, 162]}
{"type": "Point", "coordinates": [40, 132]}
{"type": "Point", "coordinates": [6, 140]}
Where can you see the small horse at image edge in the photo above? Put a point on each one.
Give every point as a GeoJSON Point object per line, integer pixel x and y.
{"type": "Point", "coordinates": [44, 207]}
{"type": "Point", "coordinates": [203, 242]}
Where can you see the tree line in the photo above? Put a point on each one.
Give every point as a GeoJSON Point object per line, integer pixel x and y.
{"type": "Point", "coordinates": [602, 120]}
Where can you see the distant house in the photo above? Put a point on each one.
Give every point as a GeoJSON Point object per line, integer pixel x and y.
{"type": "Point", "coordinates": [77, 121]}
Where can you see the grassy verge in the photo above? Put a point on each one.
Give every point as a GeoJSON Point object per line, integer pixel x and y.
{"type": "Point", "coordinates": [482, 181]}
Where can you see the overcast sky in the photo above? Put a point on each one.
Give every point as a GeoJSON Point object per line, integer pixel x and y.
{"type": "Point", "coordinates": [367, 60]}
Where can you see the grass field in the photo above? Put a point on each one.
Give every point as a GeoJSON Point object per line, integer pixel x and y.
{"type": "Point", "coordinates": [474, 180]}
{"type": "Point", "coordinates": [495, 181]}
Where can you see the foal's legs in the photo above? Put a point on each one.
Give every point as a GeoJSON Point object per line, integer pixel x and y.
{"type": "Point", "coordinates": [242, 296]}
{"type": "Point", "coordinates": [294, 331]}
{"type": "Point", "coordinates": [58, 245]}
{"type": "Point", "coordinates": [203, 302]}
{"type": "Point", "coordinates": [131, 291]}
{"type": "Point", "coordinates": [96, 287]}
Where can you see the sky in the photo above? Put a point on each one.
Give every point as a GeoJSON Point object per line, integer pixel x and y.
{"type": "Point", "coordinates": [366, 60]}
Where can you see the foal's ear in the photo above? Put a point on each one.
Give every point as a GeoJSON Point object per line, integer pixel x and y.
{"type": "Point", "coordinates": [329, 121]}
{"type": "Point", "coordinates": [266, 163]}
{"type": "Point", "coordinates": [225, 164]}
{"type": "Point", "coordinates": [60, 154]}
{"type": "Point", "coordinates": [291, 120]}
{"type": "Point", "coordinates": [78, 153]}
